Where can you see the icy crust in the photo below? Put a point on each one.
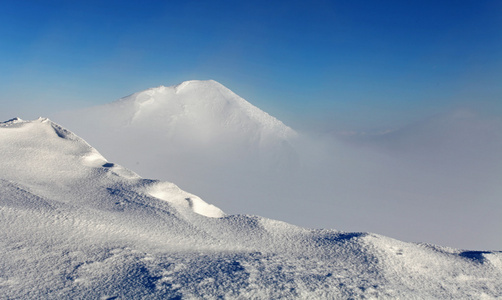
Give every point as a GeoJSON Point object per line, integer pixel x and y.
{"type": "Point", "coordinates": [75, 227]}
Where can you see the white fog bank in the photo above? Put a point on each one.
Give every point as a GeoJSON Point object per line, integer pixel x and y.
{"type": "Point", "coordinates": [436, 181]}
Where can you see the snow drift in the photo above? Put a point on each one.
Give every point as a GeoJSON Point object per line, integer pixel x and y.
{"type": "Point", "coordinates": [75, 225]}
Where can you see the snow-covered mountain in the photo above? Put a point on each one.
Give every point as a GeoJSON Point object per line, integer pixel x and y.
{"type": "Point", "coordinates": [198, 134]}
{"type": "Point", "coordinates": [179, 110]}
{"type": "Point", "coordinates": [75, 225]}
{"type": "Point", "coordinates": [191, 115]}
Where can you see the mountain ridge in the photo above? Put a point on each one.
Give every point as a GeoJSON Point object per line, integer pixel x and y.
{"type": "Point", "coordinates": [89, 158]}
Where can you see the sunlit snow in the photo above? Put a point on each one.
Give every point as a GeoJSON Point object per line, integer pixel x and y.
{"type": "Point", "coordinates": [75, 225]}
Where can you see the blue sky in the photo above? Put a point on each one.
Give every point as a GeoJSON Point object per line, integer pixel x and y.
{"type": "Point", "coordinates": [332, 64]}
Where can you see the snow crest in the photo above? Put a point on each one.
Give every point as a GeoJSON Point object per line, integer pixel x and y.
{"type": "Point", "coordinates": [50, 154]}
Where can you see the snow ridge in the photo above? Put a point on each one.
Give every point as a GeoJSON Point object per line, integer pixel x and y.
{"type": "Point", "coordinates": [56, 154]}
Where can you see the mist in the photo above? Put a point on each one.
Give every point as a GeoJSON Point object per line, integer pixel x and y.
{"type": "Point", "coordinates": [434, 181]}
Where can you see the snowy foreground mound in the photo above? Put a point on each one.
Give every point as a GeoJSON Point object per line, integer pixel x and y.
{"type": "Point", "coordinates": [75, 226]}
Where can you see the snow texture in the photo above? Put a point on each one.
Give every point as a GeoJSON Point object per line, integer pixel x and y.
{"type": "Point", "coordinates": [76, 226]}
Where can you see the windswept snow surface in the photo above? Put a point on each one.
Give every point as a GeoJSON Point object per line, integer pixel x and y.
{"type": "Point", "coordinates": [76, 226]}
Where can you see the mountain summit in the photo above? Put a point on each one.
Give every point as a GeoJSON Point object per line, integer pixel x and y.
{"type": "Point", "coordinates": [199, 111]}
{"type": "Point", "coordinates": [191, 103]}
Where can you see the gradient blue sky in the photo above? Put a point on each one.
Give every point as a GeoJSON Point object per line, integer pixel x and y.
{"type": "Point", "coordinates": [333, 64]}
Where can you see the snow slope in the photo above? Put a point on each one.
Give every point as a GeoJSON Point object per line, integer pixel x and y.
{"type": "Point", "coordinates": [77, 226]}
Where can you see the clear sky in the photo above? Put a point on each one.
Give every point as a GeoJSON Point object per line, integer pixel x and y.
{"type": "Point", "coordinates": [310, 63]}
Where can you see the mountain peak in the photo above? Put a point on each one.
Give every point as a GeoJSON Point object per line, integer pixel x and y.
{"type": "Point", "coordinates": [13, 121]}
{"type": "Point", "coordinates": [193, 84]}
{"type": "Point", "coordinates": [204, 107]}
{"type": "Point", "coordinates": [199, 84]}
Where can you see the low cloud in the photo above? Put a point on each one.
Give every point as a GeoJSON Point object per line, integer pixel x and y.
{"type": "Point", "coordinates": [435, 181]}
